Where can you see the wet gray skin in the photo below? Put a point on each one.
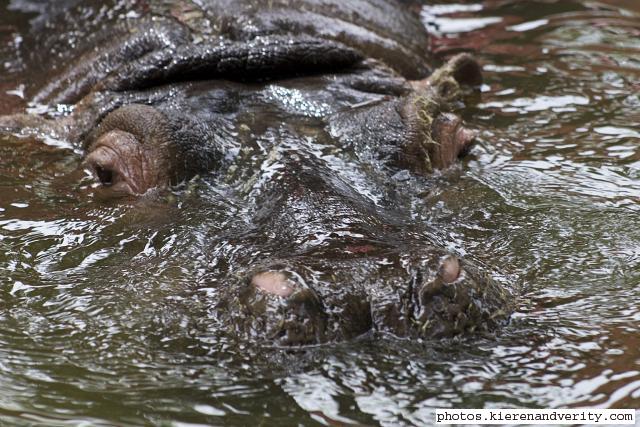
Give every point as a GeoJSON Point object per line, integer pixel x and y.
{"type": "Point", "coordinates": [184, 90]}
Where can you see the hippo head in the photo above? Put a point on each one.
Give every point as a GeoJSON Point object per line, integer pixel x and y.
{"type": "Point", "coordinates": [307, 128]}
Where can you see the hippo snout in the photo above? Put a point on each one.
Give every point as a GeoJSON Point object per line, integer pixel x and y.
{"type": "Point", "coordinates": [429, 295]}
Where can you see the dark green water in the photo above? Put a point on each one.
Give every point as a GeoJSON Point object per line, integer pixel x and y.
{"type": "Point", "coordinates": [103, 305]}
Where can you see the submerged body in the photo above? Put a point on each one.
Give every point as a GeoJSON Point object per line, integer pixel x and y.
{"type": "Point", "coordinates": [306, 112]}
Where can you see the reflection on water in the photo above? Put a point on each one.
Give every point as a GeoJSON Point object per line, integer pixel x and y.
{"type": "Point", "coordinates": [104, 316]}
{"type": "Point", "coordinates": [554, 195]}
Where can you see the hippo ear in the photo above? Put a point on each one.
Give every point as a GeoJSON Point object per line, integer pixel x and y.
{"type": "Point", "coordinates": [466, 70]}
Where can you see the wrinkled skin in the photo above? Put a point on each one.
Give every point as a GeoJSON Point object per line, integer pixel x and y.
{"type": "Point", "coordinates": [313, 106]}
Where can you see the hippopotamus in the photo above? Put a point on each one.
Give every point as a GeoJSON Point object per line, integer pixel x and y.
{"type": "Point", "coordinates": [323, 120]}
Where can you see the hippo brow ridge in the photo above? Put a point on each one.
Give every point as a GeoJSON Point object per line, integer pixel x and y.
{"type": "Point", "coordinates": [80, 78]}
{"type": "Point", "coordinates": [262, 59]}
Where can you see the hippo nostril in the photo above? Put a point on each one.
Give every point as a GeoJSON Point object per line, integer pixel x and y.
{"type": "Point", "coordinates": [274, 283]}
{"type": "Point", "coordinates": [450, 269]}
{"type": "Point", "coordinates": [106, 176]}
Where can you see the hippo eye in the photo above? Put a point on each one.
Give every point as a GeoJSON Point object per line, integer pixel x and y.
{"type": "Point", "coordinates": [105, 176]}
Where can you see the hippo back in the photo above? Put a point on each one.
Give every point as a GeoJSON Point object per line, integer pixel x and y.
{"type": "Point", "coordinates": [386, 30]}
